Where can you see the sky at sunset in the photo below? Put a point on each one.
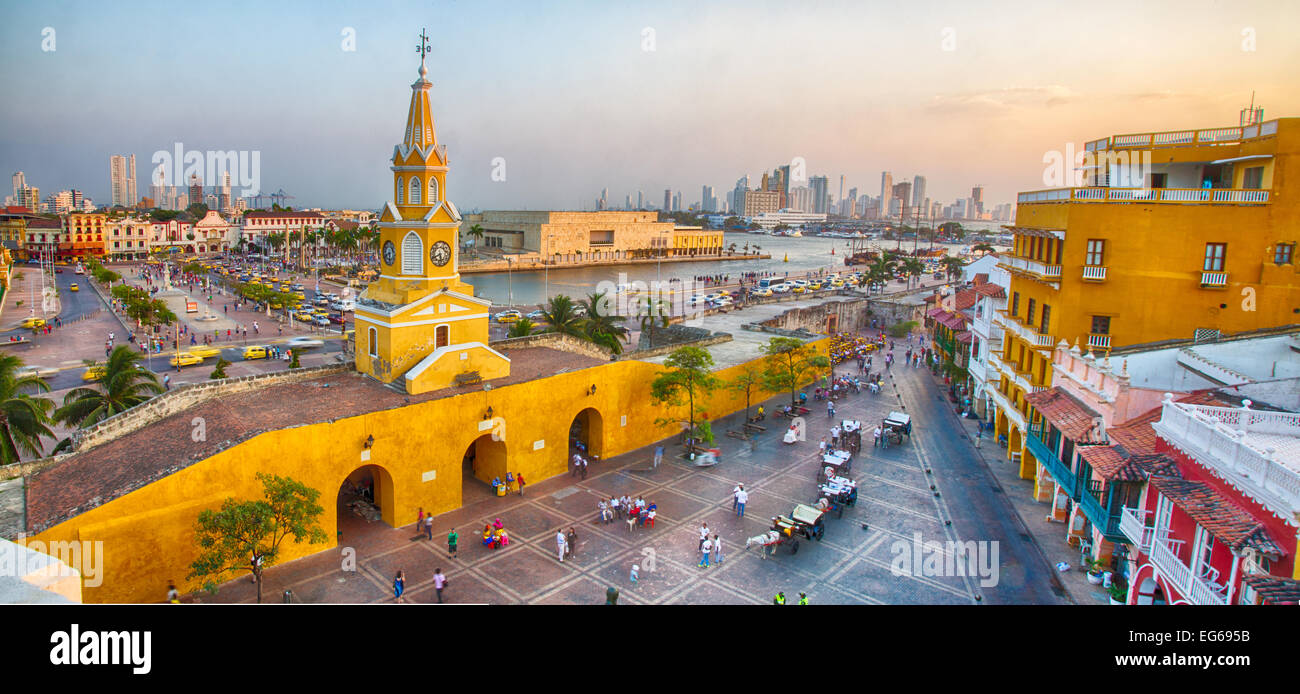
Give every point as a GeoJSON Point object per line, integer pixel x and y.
{"type": "Point", "coordinates": [577, 96]}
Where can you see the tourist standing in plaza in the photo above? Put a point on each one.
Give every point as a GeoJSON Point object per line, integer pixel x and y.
{"type": "Point", "coordinates": [452, 537]}
{"type": "Point", "coordinates": [706, 546]}
{"type": "Point", "coordinates": [399, 586]}
{"type": "Point", "coordinates": [742, 497]}
{"type": "Point", "coordinates": [439, 582]}
{"type": "Point", "coordinates": [717, 549]}
{"type": "Point", "coordinates": [570, 541]}
{"type": "Point", "coordinates": [519, 477]}
{"type": "Point", "coordinates": [561, 543]}
{"type": "Point", "coordinates": [704, 534]}
{"type": "Point", "coordinates": [428, 527]}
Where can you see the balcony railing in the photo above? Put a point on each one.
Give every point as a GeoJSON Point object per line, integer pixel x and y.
{"type": "Point", "coordinates": [1195, 590]}
{"type": "Point", "coordinates": [1214, 279]}
{"type": "Point", "coordinates": [1055, 467]}
{"type": "Point", "coordinates": [1107, 523]}
{"type": "Point", "coordinates": [1005, 406]}
{"type": "Point", "coordinates": [1185, 196]}
{"type": "Point", "coordinates": [1023, 331]}
{"type": "Point", "coordinates": [1099, 341]}
{"type": "Point", "coordinates": [1132, 523]}
{"type": "Point", "coordinates": [1183, 137]}
{"type": "Point", "coordinates": [1094, 273]}
{"type": "Point", "coordinates": [1213, 435]}
{"type": "Point", "coordinates": [1030, 266]}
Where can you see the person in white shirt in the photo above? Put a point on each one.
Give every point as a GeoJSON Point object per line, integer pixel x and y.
{"type": "Point", "coordinates": [613, 506]}
{"type": "Point", "coordinates": [734, 493]}
{"type": "Point", "coordinates": [706, 546]}
{"type": "Point", "coordinates": [704, 533]}
{"type": "Point", "coordinates": [876, 433]}
{"type": "Point", "coordinates": [742, 497]}
{"type": "Point", "coordinates": [717, 549]}
{"type": "Point", "coordinates": [561, 543]}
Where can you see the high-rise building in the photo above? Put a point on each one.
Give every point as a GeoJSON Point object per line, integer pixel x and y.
{"type": "Point", "coordinates": [708, 199]}
{"type": "Point", "coordinates": [801, 199]}
{"type": "Point", "coordinates": [668, 199]}
{"type": "Point", "coordinates": [121, 172]}
{"type": "Point", "coordinates": [131, 197]}
{"type": "Point", "coordinates": [902, 192]}
{"type": "Point", "coordinates": [20, 182]}
{"type": "Point", "coordinates": [223, 197]}
{"type": "Point", "coordinates": [818, 185]}
{"type": "Point", "coordinates": [627, 201]}
{"type": "Point", "coordinates": [759, 201]}
{"type": "Point", "coordinates": [886, 192]}
{"type": "Point", "coordinates": [918, 192]}
{"type": "Point", "coordinates": [677, 201]}
{"type": "Point", "coordinates": [841, 197]}
{"type": "Point", "coordinates": [640, 200]}
{"type": "Point", "coordinates": [196, 190]}
{"type": "Point", "coordinates": [977, 201]}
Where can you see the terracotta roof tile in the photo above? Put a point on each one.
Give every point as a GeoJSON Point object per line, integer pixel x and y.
{"type": "Point", "coordinates": [1218, 514]}
{"type": "Point", "coordinates": [1273, 589]}
{"type": "Point", "coordinates": [1065, 412]}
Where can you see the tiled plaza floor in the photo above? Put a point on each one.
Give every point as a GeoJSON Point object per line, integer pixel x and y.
{"type": "Point", "coordinates": [851, 566]}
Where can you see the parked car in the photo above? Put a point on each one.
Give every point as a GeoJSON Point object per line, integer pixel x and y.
{"type": "Point", "coordinates": [256, 352]}
{"type": "Point", "coordinates": [185, 359]}
{"type": "Point", "coordinates": [508, 316]}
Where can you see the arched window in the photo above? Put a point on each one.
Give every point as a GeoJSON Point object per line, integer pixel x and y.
{"type": "Point", "coordinates": [415, 190]}
{"type": "Point", "coordinates": [400, 191]}
{"type": "Point", "coordinates": [412, 254]}
{"type": "Point", "coordinates": [372, 336]}
{"type": "Point", "coordinates": [442, 336]}
{"type": "Point", "coordinates": [433, 191]}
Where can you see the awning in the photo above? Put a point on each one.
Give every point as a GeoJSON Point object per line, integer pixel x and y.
{"type": "Point", "coordinates": [1033, 231]}
{"type": "Point", "coordinates": [1249, 157]}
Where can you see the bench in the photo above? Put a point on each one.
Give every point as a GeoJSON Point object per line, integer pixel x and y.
{"type": "Point", "coordinates": [468, 378]}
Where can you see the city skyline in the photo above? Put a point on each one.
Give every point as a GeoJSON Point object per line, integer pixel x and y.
{"type": "Point", "coordinates": [587, 122]}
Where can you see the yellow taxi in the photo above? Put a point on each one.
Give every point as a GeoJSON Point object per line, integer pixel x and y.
{"type": "Point", "coordinates": [762, 291]}
{"type": "Point", "coordinates": [304, 316]}
{"type": "Point", "coordinates": [205, 351]}
{"type": "Point", "coordinates": [814, 285]}
{"type": "Point", "coordinates": [277, 305]}
{"type": "Point", "coordinates": [837, 284]}
{"type": "Point", "coordinates": [94, 373]}
{"type": "Point", "coordinates": [185, 359]}
{"type": "Point", "coordinates": [32, 322]}
{"type": "Point", "coordinates": [256, 352]}
{"type": "Point", "coordinates": [74, 287]}
{"type": "Point", "coordinates": [299, 296]}
{"type": "Point", "coordinates": [799, 289]}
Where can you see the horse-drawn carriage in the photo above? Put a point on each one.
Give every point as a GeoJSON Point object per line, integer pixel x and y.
{"type": "Point", "coordinates": [896, 426]}
{"type": "Point", "coordinates": [837, 493]}
{"type": "Point", "coordinates": [804, 520]}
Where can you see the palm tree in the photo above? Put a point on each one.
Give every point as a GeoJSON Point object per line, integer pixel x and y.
{"type": "Point", "coordinates": [654, 312]}
{"type": "Point", "coordinates": [881, 269]}
{"type": "Point", "coordinates": [522, 328]}
{"type": "Point", "coordinates": [23, 418]}
{"type": "Point", "coordinates": [953, 266]}
{"type": "Point", "coordinates": [913, 269]}
{"type": "Point", "coordinates": [603, 328]}
{"type": "Point", "coordinates": [983, 248]}
{"type": "Point", "coordinates": [124, 385]}
{"type": "Point", "coordinates": [475, 232]}
{"type": "Point", "coordinates": [560, 314]}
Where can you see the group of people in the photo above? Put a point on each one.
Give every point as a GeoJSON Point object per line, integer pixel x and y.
{"type": "Point", "coordinates": [494, 535]}
{"type": "Point", "coordinates": [509, 483]}
{"type": "Point", "coordinates": [634, 510]}
{"type": "Point", "coordinates": [846, 346]}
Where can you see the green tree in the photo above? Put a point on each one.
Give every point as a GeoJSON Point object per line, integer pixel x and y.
{"type": "Point", "coordinates": [220, 371]}
{"type": "Point", "coordinates": [748, 382]}
{"type": "Point", "coordinates": [983, 248]}
{"type": "Point", "coordinates": [953, 266]}
{"type": "Point", "coordinates": [653, 312]}
{"type": "Point", "coordinates": [24, 419]}
{"type": "Point", "coordinates": [124, 385]}
{"type": "Point", "coordinates": [563, 318]}
{"type": "Point", "coordinates": [901, 329]}
{"type": "Point", "coordinates": [687, 379]}
{"type": "Point", "coordinates": [913, 268]}
{"type": "Point", "coordinates": [247, 535]}
{"type": "Point", "coordinates": [790, 364]}
{"type": "Point", "coordinates": [522, 328]}
{"type": "Point", "coordinates": [293, 359]}
{"type": "Point", "coordinates": [601, 325]}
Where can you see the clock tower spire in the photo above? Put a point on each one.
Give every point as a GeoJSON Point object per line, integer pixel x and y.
{"type": "Point", "coordinates": [419, 307]}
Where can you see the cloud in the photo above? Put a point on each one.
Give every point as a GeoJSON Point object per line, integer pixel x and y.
{"type": "Point", "coordinates": [1005, 99]}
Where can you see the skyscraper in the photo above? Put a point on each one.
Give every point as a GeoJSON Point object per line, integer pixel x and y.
{"type": "Point", "coordinates": [886, 192]}
{"type": "Point", "coordinates": [708, 203]}
{"type": "Point", "coordinates": [918, 191]}
{"type": "Point", "coordinates": [20, 182]}
{"type": "Point", "coordinates": [121, 178]}
{"type": "Point", "coordinates": [668, 199]}
{"type": "Point", "coordinates": [640, 200]}
{"type": "Point", "coordinates": [841, 197]}
{"type": "Point", "coordinates": [977, 201]}
{"type": "Point", "coordinates": [818, 185]}
{"type": "Point", "coordinates": [196, 190]}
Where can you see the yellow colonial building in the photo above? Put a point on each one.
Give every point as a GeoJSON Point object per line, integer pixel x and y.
{"type": "Point", "coordinates": [1174, 235]}
{"type": "Point", "coordinates": [419, 325]}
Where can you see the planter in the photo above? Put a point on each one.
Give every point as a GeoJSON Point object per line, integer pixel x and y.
{"type": "Point", "coordinates": [1113, 601]}
{"type": "Point", "coordinates": [1095, 579]}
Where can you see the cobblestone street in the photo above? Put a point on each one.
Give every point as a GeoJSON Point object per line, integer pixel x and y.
{"type": "Point", "coordinates": [852, 565]}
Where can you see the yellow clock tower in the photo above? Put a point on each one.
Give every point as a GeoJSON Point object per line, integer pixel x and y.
{"type": "Point", "coordinates": [418, 324]}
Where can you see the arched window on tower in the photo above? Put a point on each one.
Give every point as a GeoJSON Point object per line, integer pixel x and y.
{"type": "Point", "coordinates": [412, 254]}
{"type": "Point", "coordinates": [433, 191]}
{"type": "Point", "coordinates": [400, 191]}
{"type": "Point", "coordinates": [372, 337]}
{"type": "Point", "coordinates": [415, 190]}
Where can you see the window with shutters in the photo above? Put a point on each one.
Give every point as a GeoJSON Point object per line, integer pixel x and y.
{"type": "Point", "coordinates": [412, 255]}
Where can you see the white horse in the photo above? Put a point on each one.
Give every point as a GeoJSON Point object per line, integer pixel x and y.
{"type": "Point", "coordinates": [767, 541]}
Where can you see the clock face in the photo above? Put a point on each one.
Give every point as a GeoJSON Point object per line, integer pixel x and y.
{"type": "Point", "coordinates": [390, 253]}
{"type": "Point", "coordinates": [440, 253]}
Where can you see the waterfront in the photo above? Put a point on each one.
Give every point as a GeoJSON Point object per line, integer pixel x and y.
{"type": "Point", "coordinates": [805, 254]}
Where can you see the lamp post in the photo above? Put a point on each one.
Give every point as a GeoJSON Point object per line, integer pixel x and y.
{"type": "Point", "coordinates": [510, 287]}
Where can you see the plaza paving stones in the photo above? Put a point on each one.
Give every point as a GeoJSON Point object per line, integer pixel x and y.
{"type": "Point", "coordinates": [850, 566]}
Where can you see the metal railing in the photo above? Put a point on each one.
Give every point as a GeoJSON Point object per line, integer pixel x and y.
{"type": "Point", "coordinates": [1198, 196]}
{"type": "Point", "coordinates": [1049, 460]}
{"type": "Point", "coordinates": [1024, 332]}
{"type": "Point", "coordinates": [1099, 341]}
{"type": "Point", "coordinates": [1132, 523]}
{"type": "Point", "coordinates": [1195, 590]}
{"type": "Point", "coordinates": [1031, 266]}
{"type": "Point", "coordinates": [1173, 138]}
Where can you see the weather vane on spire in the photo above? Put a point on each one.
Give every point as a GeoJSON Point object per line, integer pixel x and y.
{"type": "Point", "coordinates": [424, 48]}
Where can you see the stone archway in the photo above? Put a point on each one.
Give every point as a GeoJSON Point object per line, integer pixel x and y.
{"type": "Point", "coordinates": [586, 434]}
{"type": "Point", "coordinates": [365, 495]}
